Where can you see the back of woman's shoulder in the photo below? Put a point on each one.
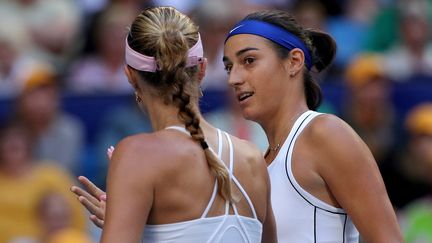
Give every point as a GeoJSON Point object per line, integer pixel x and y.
{"type": "Point", "coordinates": [137, 143]}
{"type": "Point", "coordinates": [144, 149]}
{"type": "Point", "coordinates": [157, 148]}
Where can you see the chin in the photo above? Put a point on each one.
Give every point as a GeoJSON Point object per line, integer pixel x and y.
{"type": "Point", "coordinates": [249, 115]}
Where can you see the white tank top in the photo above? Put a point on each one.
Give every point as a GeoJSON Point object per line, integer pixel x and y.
{"type": "Point", "coordinates": [227, 228]}
{"type": "Point", "coordinates": [300, 216]}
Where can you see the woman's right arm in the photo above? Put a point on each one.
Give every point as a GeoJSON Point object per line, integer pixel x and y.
{"type": "Point", "coordinates": [130, 186]}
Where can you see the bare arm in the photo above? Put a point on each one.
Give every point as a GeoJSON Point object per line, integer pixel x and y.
{"type": "Point", "coordinates": [350, 171]}
{"type": "Point", "coordinates": [130, 190]}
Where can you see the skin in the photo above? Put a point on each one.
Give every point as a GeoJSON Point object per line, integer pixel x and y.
{"type": "Point", "coordinates": [145, 185]}
{"type": "Point", "coordinates": [330, 161]}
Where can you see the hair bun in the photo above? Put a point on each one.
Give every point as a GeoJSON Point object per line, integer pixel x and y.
{"type": "Point", "coordinates": [325, 48]}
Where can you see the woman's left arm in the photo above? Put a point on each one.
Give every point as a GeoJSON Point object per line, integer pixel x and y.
{"type": "Point", "coordinates": [130, 189]}
{"type": "Point", "coordinates": [350, 171]}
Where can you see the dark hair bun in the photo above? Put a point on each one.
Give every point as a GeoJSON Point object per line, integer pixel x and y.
{"type": "Point", "coordinates": [325, 48]}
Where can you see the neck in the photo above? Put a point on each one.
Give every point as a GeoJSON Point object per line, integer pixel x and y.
{"type": "Point", "coordinates": [277, 132]}
{"type": "Point", "coordinates": [163, 115]}
{"type": "Point", "coordinates": [278, 125]}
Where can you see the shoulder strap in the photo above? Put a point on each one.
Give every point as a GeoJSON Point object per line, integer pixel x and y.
{"type": "Point", "coordinates": [215, 187]}
{"type": "Point", "coordinates": [236, 181]}
{"type": "Point", "coordinates": [179, 128]}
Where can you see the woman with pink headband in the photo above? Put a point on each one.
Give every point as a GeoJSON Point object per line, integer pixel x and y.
{"type": "Point", "coordinates": [187, 181]}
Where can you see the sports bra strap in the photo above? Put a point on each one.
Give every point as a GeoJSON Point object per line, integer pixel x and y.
{"type": "Point", "coordinates": [219, 134]}
{"type": "Point", "coordinates": [215, 187]}
{"type": "Point", "coordinates": [235, 180]}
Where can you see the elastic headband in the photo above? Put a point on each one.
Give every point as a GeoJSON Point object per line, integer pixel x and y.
{"type": "Point", "coordinates": [273, 33]}
{"type": "Point", "coordinates": [148, 64]}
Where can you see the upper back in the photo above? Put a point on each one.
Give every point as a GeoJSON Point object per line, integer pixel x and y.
{"type": "Point", "coordinates": [185, 192]}
{"type": "Point", "coordinates": [184, 182]}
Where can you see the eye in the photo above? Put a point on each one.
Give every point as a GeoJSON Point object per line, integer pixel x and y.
{"type": "Point", "coordinates": [248, 60]}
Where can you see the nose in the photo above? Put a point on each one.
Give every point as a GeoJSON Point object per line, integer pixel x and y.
{"type": "Point", "coordinates": [235, 77]}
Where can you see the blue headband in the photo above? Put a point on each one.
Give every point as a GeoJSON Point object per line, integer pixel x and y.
{"type": "Point", "coordinates": [273, 33]}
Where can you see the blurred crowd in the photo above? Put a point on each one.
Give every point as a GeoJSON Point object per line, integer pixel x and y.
{"type": "Point", "coordinates": [57, 51]}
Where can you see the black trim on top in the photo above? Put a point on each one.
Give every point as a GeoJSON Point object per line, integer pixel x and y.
{"type": "Point", "coordinates": [315, 226]}
{"type": "Point", "coordinates": [343, 232]}
{"type": "Point", "coordinates": [286, 169]}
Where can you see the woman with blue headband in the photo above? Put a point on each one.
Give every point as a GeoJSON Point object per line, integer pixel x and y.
{"type": "Point", "coordinates": [187, 181]}
{"type": "Point", "coordinates": [326, 186]}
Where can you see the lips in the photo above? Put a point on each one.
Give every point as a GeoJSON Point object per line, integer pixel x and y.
{"type": "Point", "coordinates": [244, 95]}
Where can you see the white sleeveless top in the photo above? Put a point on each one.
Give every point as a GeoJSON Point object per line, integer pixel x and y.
{"type": "Point", "coordinates": [227, 228]}
{"type": "Point", "coordinates": [300, 216]}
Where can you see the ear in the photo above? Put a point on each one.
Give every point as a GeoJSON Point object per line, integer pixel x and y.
{"type": "Point", "coordinates": [296, 61]}
{"type": "Point", "coordinates": [130, 74]}
{"type": "Point", "coordinates": [202, 70]}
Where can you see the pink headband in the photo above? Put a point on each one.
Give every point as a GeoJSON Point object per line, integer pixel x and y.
{"type": "Point", "coordinates": [148, 64]}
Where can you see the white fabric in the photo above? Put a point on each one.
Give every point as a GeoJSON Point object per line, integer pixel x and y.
{"type": "Point", "coordinates": [225, 228]}
{"type": "Point", "coordinates": [301, 217]}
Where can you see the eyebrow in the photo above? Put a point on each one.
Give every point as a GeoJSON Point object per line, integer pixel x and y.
{"type": "Point", "coordinates": [240, 52]}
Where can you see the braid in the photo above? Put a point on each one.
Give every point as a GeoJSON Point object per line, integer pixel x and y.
{"type": "Point", "coordinates": [192, 124]}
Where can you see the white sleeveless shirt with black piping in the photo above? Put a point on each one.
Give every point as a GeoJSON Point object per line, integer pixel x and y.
{"type": "Point", "coordinates": [300, 216]}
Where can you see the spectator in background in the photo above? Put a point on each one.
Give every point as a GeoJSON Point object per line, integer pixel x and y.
{"type": "Point", "coordinates": [102, 71]}
{"type": "Point", "coordinates": [23, 183]}
{"type": "Point", "coordinates": [383, 32]}
{"type": "Point", "coordinates": [412, 55]}
{"type": "Point", "coordinates": [311, 14]}
{"type": "Point", "coordinates": [416, 217]}
{"type": "Point", "coordinates": [412, 170]}
{"type": "Point", "coordinates": [369, 108]}
{"type": "Point", "coordinates": [14, 46]}
{"type": "Point", "coordinates": [350, 30]}
{"type": "Point", "coordinates": [215, 18]}
{"type": "Point", "coordinates": [58, 136]}
{"type": "Point", "coordinates": [115, 127]}
{"type": "Point", "coordinates": [55, 215]}
{"type": "Point", "coordinates": [54, 27]}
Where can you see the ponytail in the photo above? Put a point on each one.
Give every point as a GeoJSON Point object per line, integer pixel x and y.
{"type": "Point", "coordinates": [167, 35]}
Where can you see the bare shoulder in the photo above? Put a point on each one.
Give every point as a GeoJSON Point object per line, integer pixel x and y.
{"type": "Point", "coordinates": [140, 152]}
{"type": "Point", "coordinates": [333, 141]}
{"type": "Point", "coordinates": [328, 124]}
{"type": "Point", "coordinates": [330, 129]}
